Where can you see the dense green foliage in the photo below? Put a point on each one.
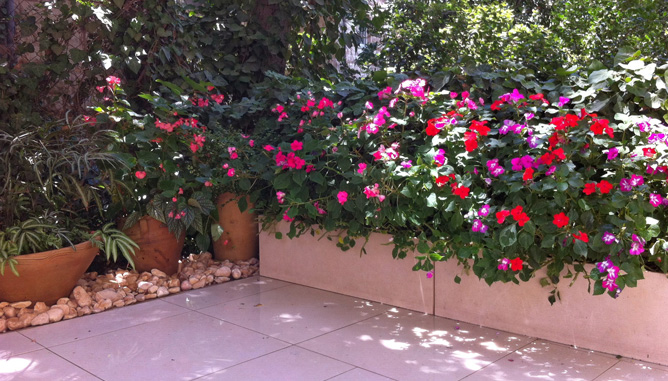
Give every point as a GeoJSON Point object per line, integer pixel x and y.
{"type": "Point", "coordinates": [543, 35]}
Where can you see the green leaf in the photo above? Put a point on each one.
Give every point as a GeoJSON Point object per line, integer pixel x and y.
{"type": "Point", "coordinates": [508, 236]}
{"type": "Point", "coordinates": [598, 76]}
{"type": "Point", "coordinates": [283, 180]}
{"type": "Point", "coordinates": [203, 241]}
{"type": "Point", "coordinates": [216, 231]}
{"type": "Point", "coordinates": [525, 240]}
{"type": "Point", "coordinates": [580, 248]}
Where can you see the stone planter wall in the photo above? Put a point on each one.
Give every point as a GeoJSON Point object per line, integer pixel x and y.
{"type": "Point", "coordinates": [630, 326]}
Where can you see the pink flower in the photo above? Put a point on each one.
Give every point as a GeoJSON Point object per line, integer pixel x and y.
{"type": "Point", "coordinates": [296, 145]}
{"type": "Point", "coordinates": [655, 199]}
{"type": "Point", "coordinates": [208, 184]}
{"type": "Point", "coordinates": [286, 217]}
{"type": "Point", "coordinates": [251, 143]}
{"type": "Point", "coordinates": [100, 88]}
{"type": "Point", "coordinates": [637, 246]}
{"type": "Point", "coordinates": [368, 105]}
{"type": "Point", "coordinates": [280, 196]}
{"type": "Point", "coordinates": [484, 211]}
{"type": "Point", "coordinates": [230, 172]}
{"type": "Point", "coordinates": [608, 238]}
{"type": "Point", "coordinates": [140, 174]}
{"type": "Point", "coordinates": [612, 153]}
{"type": "Point", "coordinates": [342, 196]}
{"type": "Point", "coordinates": [113, 81]}
{"type": "Point", "coordinates": [268, 148]}
{"type": "Point", "coordinates": [362, 167]}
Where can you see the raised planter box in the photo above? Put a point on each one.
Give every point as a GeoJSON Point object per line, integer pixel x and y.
{"type": "Point", "coordinates": [630, 326]}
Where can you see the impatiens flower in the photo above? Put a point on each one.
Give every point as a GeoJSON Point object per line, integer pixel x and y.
{"type": "Point", "coordinates": [442, 180]}
{"type": "Point", "coordinates": [636, 180]}
{"type": "Point", "coordinates": [609, 238]}
{"type": "Point", "coordinates": [609, 284]}
{"type": "Point", "coordinates": [113, 81]}
{"type": "Point", "coordinates": [612, 153]}
{"type": "Point", "coordinates": [484, 211]}
{"type": "Point", "coordinates": [644, 126]}
{"type": "Point", "coordinates": [550, 170]}
{"type": "Point", "coordinates": [461, 191]}
{"type": "Point", "coordinates": [140, 174]}
{"type": "Point", "coordinates": [407, 164]}
{"type": "Point", "coordinates": [501, 216]}
{"type": "Point", "coordinates": [208, 184]}
{"type": "Point", "coordinates": [528, 174]}
{"type": "Point", "coordinates": [286, 217]}
{"type": "Point", "coordinates": [563, 101]}
{"type": "Point", "coordinates": [648, 152]}
{"type": "Point", "coordinates": [559, 153]}
{"type": "Point", "coordinates": [581, 236]}
{"type": "Point", "coordinates": [533, 141]}
{"type": "Point", "coordinates": [296, 145]}
{"type": "Point", "coordinates": [504, 264]}
{"type": "Point", "coordinates": [342, 196]}
{"type": "Point", "coordinates": [560, 220]}
{"type": "Point", "coordinates": [480, 127]}
{"type": "Point", "coordinates": [361, 168]}
{"type": "Point", "coordinates": [477, 224]}
{"type": "Point", "coordinates": [268, 148]}
{"type": "Point", "coordinates": [625, 185]}
{"type": "Point", "coordinates": [496, 105]}
{"type": "Point", "coordinates": [373, 192]}
{"type": "Point", "coordinates": [637, 246]}
{"type": "Point", "coordinates": [655, 199]}
{"type": "Point", "coordinates": [230, 172]}
{"type": "Point", "coordinates": [604, 186]}
{"type": "Point", "coordinates": [439, 158]}
{"type": "Point", "coordinates": [430, 274]}
{"type": "Point", "coordinates": [516, 264]}
{"type": "Point", "coordinates": [589, 188]}
{"type": "Point", "coordinates": [280, 196]}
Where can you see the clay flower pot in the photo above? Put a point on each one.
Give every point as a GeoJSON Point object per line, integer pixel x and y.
{"type": "Point", "coordinates": [47, 276]}
{"type": "Point", "coordinates": [239, 241]}
{"type": "Point", "coordinates": [158, 248]}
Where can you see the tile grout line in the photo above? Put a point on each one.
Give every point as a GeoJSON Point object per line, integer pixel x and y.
{"type": "Point", "coordinates": [607, 369]}
{"type": "Point", "coordinates": [76, 365]}
{"type": "Point", "coordinates": [531, 341]}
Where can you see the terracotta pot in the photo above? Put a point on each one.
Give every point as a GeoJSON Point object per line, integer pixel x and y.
{"type": "Point", "coordinates": [239, 241]}
{"type": "Point", "coordinates": [47, 276]}
{"type": "Point", "coordinates": [158, 248]}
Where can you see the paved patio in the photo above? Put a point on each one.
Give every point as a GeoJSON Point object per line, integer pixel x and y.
{"type": "Point", "coordinates": [265, 329]}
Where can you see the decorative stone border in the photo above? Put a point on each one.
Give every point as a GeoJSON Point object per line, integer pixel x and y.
{"type": "Point", "coordinates": [630, 325]}
{"type": "Point", "coordinates": [99, 292]}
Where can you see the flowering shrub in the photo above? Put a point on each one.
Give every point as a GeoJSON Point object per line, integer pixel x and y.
{"type": "Point", "coordinates": [168, 178]}
{"type": "Point", "coordinates": [507, 185]}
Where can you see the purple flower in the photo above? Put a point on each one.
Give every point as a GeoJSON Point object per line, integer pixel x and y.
{"type": "Point", "coordinates": [563, 101]}
{"type": "Point", "coordinates": [483, 228]}
{"type": "Point", "coordinates": [655, 199]}
{"type": "Point", "coordinates": [625, 185]}
{"type": "Point", "coordinates": [477, 224]}
{"type": "Point", "coordinates": [515, 96]}
{"type": "Point", "coordinates": [602, 266]}
{"type": "Point", "coordinates": [484, 211]}
{"type": "Point", "coordinates": [609, 238]}
{"type": "Point", "coordinates": [609, 284]}
{"type": "Point", "coordinates": [407, 164]}
{"type": "Point", "coordinates": [612, 153]}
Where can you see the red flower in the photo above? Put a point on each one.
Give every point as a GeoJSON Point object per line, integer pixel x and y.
{"type": "Point", "coordinates": [536, 97]}
{"type": "Point", "coordinates": [648, 152]}
{"type": "Point", "coordinates": [516, 212]}
{"type": "Point", "coordinates": [604, 186]}
{"type": "Point", "coordinates": [559, 152]}
{"type": "Point", "coordinates": [140, 174]}
{"type": "Point", "coordinates": [470, 144]}
{"type": "Point", "coordinates": [480, 127]}
{"type": "Point", "coordinates": [599, 126]}
{"type": "Point", "coordinates": [560, 220]}
{"type": "Point", "coordinates": [528, 174]}
{"type": "Point", "coordinates": [501, 216]}
{"type": "Point", "coordinates": [547, 158]}
{"type": "Point", "coordinates": [461, 192]}
{"type": "Point", "coordinates": [442, 180]}
{"type": "Point", "coordinates": [434, 126]}
{"type": "Point", "coordinates": [581, 236]}
{"type": "Point", "coordinates": [589, 188]}
{"type": "Point", "coordinates": [496, 105]}
{"type": "Point", "coordinates": [522, 219]}
{"type": "Point", "coordinates": [516, 264]}
{"type": "Point", "coordinates": [563, 122]}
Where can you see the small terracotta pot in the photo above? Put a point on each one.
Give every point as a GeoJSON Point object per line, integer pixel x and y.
{"type": "Point", "coordinates": [47, 276]}
{"type": "Point", "coordinates": [158, 248]}
{"type": "Point", "coordinates": [239, 241]}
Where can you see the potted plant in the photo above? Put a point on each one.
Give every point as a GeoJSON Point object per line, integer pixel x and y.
{"type": "Point", "coordinates": [169, 182]}
{"type": "Point", "coordinates": [57, 181]}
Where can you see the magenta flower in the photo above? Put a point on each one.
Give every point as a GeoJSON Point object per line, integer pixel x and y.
{"type": "Point", "coordinates": [563, 101]}
{"type": "Point", "coordinates": [609, 238]}
{"type": "Point", "coordinates": [604, 265]}
{"type": "Point", "coordinates": [625, 185]}
{"type": "Point", "coordinates": [230, 172]}
{"type": "Point", "coordinates": [532, 141]}
{"type": "Point", "coordinates": [342, 196]}
{"type": "Point", "coordinates": [368, 105]}
{"type": "Point", "coordinates": [504, 264]}
{"type": "Point", "coordinates": [280, 196]}
{"type": "Point", "coordinates": [296, 145]}
{"type": "Point", "coordinates": [655, 199]}
{"type": "Point", "coordinates": [637, 180]}
{"type": "Point", "coordinates": [430, 274]}
{"type": "Point", "coordinates": [498, 171]}
{"type": "Point", "coordinates": [362, 167]}
{"type": "Point", "coordinates": [644, 126]}
{"type": "Point", "coordinates": [609, 284]}
{"type": "Point", "coordinates": [612, 153]}
{"type": "Point", "coordinates": [517, 165]}
{"type": "Point", "coordinates": [373, 192]}
{"type": "Point", "coordinates": [407, 164]}
{"type": "Point", "coordinates": [551, 170]}
{"type": "Point", "coordinates": [484, 211]}
{"type": "Point", "coordinates": [439, 158]}
{"type": "Point", "coordinates": [637, 246]}
{"type": "Point", "coordinates": [529, 115]}
{"type": "Point", "coordinates": [477, 224]}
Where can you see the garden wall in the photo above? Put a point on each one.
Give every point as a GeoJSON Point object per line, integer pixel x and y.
{"type": "Point", "coordinates": [630, 326]}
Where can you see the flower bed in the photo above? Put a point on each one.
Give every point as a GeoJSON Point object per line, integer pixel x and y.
{"type": "Point", "coordinates": [627, 326]}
